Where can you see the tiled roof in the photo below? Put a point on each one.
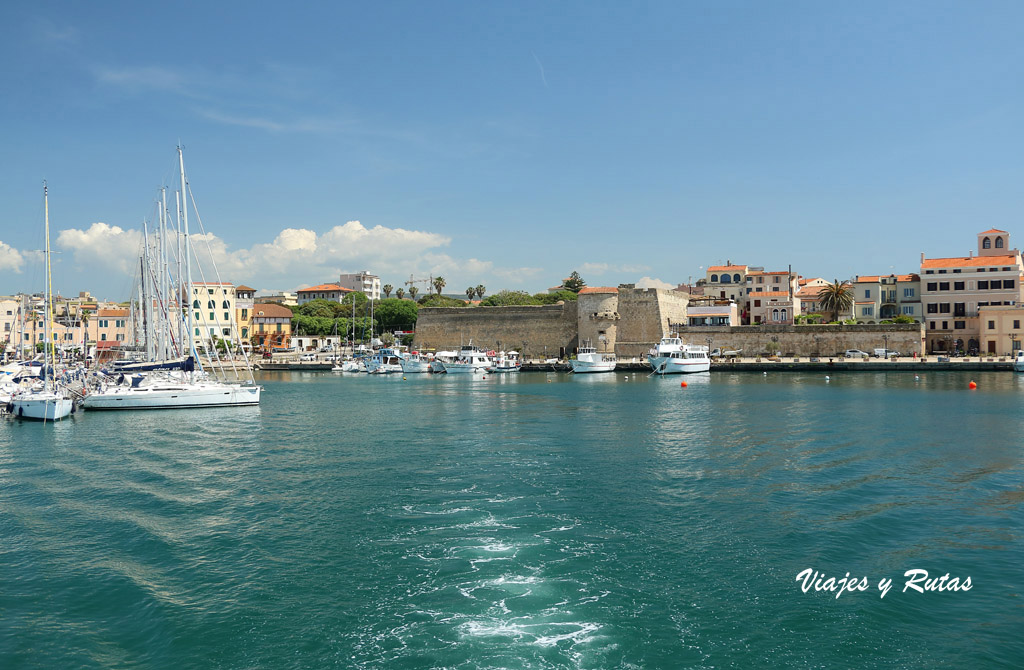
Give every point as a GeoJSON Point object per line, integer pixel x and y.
{"type": "Point", "coordinates": [808, 291]}
{"type": "Point", "coordinates": [323, 287]}
{"type": "Point", "coordinates": [727, 268]}
{"type": "Point", "coordinates": [968, 261]}
{"type": "Point", "coordinates": [270, 309]}
{"type": "Point", "coordinates": [111, 312]}
{"type": "Point", "coordinates": [243, 287]}
{"type": "Point", "coordinates": [773, 294]}
{"type": "Point", "coordinates": [993, 231]}
{"type": "Point", "coordinates": [212, 283]}
{"type": "Point", "coordinates": [598, 289]}
{"type": "Point", "coordinates": [874, 279]}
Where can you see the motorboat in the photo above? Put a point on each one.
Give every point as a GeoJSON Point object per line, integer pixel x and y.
{"type": "Point", "coordinates": [1018, 361]}
{"type": "Point", "coordinates": [384, 361]}
{"type": "Point", "coordinates": [672, 356]}
{"type": "Point", "coordinates": [168, 391]}
{"type": "Point", "coordinates": [416, 363]}
{"type": "Point", "coordinates": [440, 358]}
{"type": "Point", "coordinates": [469, 360]}
{"type": "Point", "coordinates": [589, 360]}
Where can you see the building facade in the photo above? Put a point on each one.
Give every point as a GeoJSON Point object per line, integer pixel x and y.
{"type": "Point", "coordinates": [362, 281]}
{"type": "Point", "coordinates": [886, 297]}
{"type": "Point", "coordinates": [213, 310]}
{"type": "Point", "coordinates": [244, 301]}
{"type": "Point", "coordinates": [331, 292]}
{"type": "Point", "coordinates": [271, 326]}
{"type": "Point", "coordinates": [953, 290]}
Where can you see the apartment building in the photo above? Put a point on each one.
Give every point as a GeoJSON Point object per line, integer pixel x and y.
{"type": "Point", "coordinates": [362, 281]}
{"type": "Point", "coordinates": [953, 290]}
{"type": "Point", "coordinates": [213, 309]}
{"type": "Point", "coordinates": [885, 297]}
{"type": "Point", "coordinates": [332, 292]}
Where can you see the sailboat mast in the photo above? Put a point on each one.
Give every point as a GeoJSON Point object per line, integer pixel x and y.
{"type": "Point", "coordinates": [188, 254]}
{"type": "Point", "coordinates": [47, 353]}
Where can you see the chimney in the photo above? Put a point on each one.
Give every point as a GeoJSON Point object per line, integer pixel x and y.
{"type": "Point", "coordinates": [922, 258]}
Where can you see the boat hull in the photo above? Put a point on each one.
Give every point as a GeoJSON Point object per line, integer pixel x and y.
{"type": "Point", "coordinates": [413, 366]}
{"type": "Point", "coordinates": [41, 407]}
{"type": "Point", "coordinates": [664, 365]}
{"type": "Point", "coordinates": [579, 366]}
{"type": "Point", "coordinates": [174, 397]}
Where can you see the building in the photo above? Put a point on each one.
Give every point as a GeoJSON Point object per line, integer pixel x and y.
{"type": "Point", "coordinates": [711, 312]}
{"type": "Point", "coordinates": [281, 298]}
{"type": "Point", "coordinates": [953, 290]}
{"type": "Point", "coordinates": [886, 297]}
{"type": "Point", "coordinates": [331, 292]}
{"type": "Point", "coordinates": [271, 326]}
{"type": "Point", "coordinates": [727, 282]}
{"type": "Point", "coordinates": [362, 281]}
{"type": "Point", "coordinates": [244, 301]}
{"type": "Point", "coordinates": [598, 315]}
{"type": "Point", "coordinates": [213, 309]}
{"type": "Point", "coordinates": [1001, 332]}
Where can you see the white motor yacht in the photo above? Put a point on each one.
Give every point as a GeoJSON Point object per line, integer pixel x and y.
{"type": "Point", "coordinates": [671, 356]}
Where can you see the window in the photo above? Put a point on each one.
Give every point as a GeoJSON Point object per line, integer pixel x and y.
{"type": "Point", "coordinates": [929, 272]}
{"type": "Point", "coordinates": [1016, 324]}
{"type": "Point", "coordinates": [957, 271]}
{"type": "Point", "coordinates": [210, 291]}
{"type": "Point", "coordinates": [981, 270]}
{"type": "Point", "coordinates": [986, 243]}
{"type": "Point", "coordinates": [991, 325]}
{"type": "Point", "coordinates": [999, 243]}
{"type": "Point", "coordinates": [942, 272]}
{"type": "Point", "coordinates": [777, 279]}
{"type": "Point", "coordinates": [959, 309]}
{"type": "Point", "coordinates": [103, 336]}
{"type": "Point", "coordinates": [245, 314]}
{"type": "Point", "coordinates": [225, 331]}
{"type": "Point", "coordinates": [226, 317]}
{"type": "Point", "coordinates": [1008, 283]}
{"type": "Point", "coordinates": [211, 304]}
{"type": "Point", "coordinates": [736, 278]}
{"type": "Point", "coordinates": [943, 308]}
{"type": "Point", "coordinates": [757, 303]}
{"type": "Point", "coordinates": [245, 333]}
{"type": "Point", "coordinates": [867, 293]}
{"type": "Point", "coordinates": [212, 317]}
{"type": "Point", "coordinates": [714, 279]}
{"type": "Point", "coordinates": [197, 332]}
{"type": "Point", "coordinates": [226, 305]}
{"type": "Point", "coordinates": [197, 316]}
{"type": "Point", "coordinates": [959, 325]}
{"type": "Point", "coordinates": [982, 284]}
{"type": "Point", "coordinates": [932, 286]}
{"type": "Point", "coordinates": [279, 328]}
{"type": "Point", "coordinates": [933, 308]}
{"type": "Point", "coordinates": [945, 325]}
{"type": "Point", "coordinates": [908, 310]}
{"type": "Point", "coordinates": [943, 285]}
{"type": "Point", "coordinates": [867, 311]}
{"type": "Point", "coordinates": [958, 286]}
{"type": "Point", "coordinates": [908, 293]}
{"type": "Point", "coordinates": [196, 304]}
{"type": "Point", "coordinates": [726, 279]}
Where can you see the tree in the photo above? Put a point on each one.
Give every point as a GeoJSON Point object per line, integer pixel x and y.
{"type": "Point", "coordinates": [85, 332]}
{"type": "Point", "coordinates": [387, 288]}
{"type": "Point", "coordinates": [552, 298]}
{"type": "Point", "coordinates": [505, 297]}
{"type": "Point", "coordinates": [412, 292]}
{"type": "Point", "coordinates": [439, 284]}
{"type": "Point", "coordinates": [470, 292]}
{"type": "Point", "coordinates": [480, 290]}
{"type": "Point", "coordinates": [395, 314]}
{"type": "Point", "coordinates": [400, 293]}
{"type": "Point", "coordinates": [574, 283]}
{"type": "Point", "coordinates": [836, 298]}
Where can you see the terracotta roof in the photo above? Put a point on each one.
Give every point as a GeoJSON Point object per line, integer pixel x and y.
{"type": "Point", "coordinates": [212, 283]}
{"type": "Point", "coordinates": [726, 268]}
{"type": "Point", "coordinates": [808, 291]}
{"type": "Point", "coordinates": [968, 261]}
{"type": "Point", "coordinates": [243, 287]}
{"type": "Point", "coordinates": [993, 231]}
{"type": "Point", "coordinates": [768, 293]}
{"type": "Point", "coordinates": [865, 302]}
{"type": "Point", "coordinates": [874, 279]}
{"type": "Point", "coordinates": [111, 312]}
{"type": "Point", "coordinates": [270, 309]}
{"type": "Point", "coordinates": [598, 289]}
{"type": "Point", "coordinates": [323, 287]}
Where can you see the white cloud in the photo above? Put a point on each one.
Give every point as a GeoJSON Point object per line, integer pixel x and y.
{"type": "Point", "coordinates": [605, 268]}
{"type": "Point", "coordinates": [103, 247]}
{"type": "Point", "coordinates": [648, 282]}
{"type": "Point", "coordinates": [10, 258]}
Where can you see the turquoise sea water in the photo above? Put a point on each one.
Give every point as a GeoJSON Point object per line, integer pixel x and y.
{"type": "Point", "coordinates": [530, 521]}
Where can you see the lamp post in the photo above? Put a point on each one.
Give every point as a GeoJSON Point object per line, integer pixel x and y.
{"type": "Point", "coordinates": [1013, 344]}
{"type": "Point", "coordinates": [817, 345]}
{"type": "Point", "coordinates": [710, 340]}
{"type": "Point", "coordinates": [885, 343]}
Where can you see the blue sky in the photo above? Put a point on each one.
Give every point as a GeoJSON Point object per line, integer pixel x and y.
{"type": "Point", "coordinates": [507, 144]}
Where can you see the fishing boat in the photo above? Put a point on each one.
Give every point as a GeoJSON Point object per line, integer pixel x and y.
{"type": "Point", "coordinates": [416, 362]}
{"type": "Point", "coordinates": [440, 358]}
{"type": "Point", "coordinates": [384, 361]}
{"type": "Point", "coordinates": [672, 356]}
{"type": "Point", "coordinates": [589, 360]}
{"type": "Point", "coordinates": [506, 361]}
{"type": "Point", "coordinates": [45, 400]}
{"type": "Point", "coordinates": [1018, 361]}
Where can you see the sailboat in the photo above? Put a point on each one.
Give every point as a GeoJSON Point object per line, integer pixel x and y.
{"type": "Point", "coordinates": [134, 387]}
{"type": "Point", "coordinates": [45, 400]}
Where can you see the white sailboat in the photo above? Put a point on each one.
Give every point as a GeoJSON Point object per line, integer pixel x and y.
{"type": "Point", "coordinates": [190, 386]}
{"type": "Point", "coordinates": [45, 400]}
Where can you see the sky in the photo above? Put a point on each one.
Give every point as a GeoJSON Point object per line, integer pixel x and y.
{"type": "Point", "coordinates": [508, 143]}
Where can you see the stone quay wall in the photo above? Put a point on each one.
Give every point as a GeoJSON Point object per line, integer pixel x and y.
{"type": "Point", "coordinates": [533, 330]}
{"type": "Point", "coordinates": [816, 340]}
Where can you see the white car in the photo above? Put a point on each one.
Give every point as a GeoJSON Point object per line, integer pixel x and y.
{"type": "Point", "coordinates": [855, 353]}
{"type": "Point", "coordinates": [308, 357]}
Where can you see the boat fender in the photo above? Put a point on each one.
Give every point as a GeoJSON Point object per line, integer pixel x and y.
{"type": "Point", "coordinates": [21, 411]}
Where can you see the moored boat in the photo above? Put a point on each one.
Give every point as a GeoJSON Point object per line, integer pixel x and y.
{"type": "Point", "coordinates": [470, 360]}
{"type": "Point", "coordinates": [589, 360]}
{"type": "Point", "coordinates": [672, 356]}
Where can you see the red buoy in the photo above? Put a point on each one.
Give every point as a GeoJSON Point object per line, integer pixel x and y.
{"type": "Point", "coordinates": [682, 384]}
{"type": "Point", "coordinates": [972, 386]}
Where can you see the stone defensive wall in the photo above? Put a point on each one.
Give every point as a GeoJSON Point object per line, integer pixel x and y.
{"type": "Point", "coordinates": [533, 330]}
{"type": "Point", "coordinates": [816, 340]}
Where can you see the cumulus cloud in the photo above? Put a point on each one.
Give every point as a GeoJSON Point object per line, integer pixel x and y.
{"type": "Point", "coordinates": [10, 258]}
{"type": "Point", "coordinates": [648, 282]}
{"type": "Point", "coordinates": [103, 246]}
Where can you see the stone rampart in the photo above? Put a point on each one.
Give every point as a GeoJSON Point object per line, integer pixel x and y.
{"type": "Point", "coordinates": [645, 315]}
{"type": "Point", "coordinates": [533, 330]}
{"type": "Point", "coordinates": [816, 340]}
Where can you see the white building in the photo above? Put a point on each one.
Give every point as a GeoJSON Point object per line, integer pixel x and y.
{"type": "Point", "coordinates": [362, 281]}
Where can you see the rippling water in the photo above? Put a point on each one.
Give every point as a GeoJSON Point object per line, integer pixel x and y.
{"type": "Point", "coordinates": [529, 521]}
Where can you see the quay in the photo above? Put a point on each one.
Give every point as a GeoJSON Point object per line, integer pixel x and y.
{"type": "Point", "coordinates": [761, 364]}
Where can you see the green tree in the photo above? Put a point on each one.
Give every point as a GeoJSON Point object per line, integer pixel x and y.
{"type": "Point", "coordinates": [470, 292]}
{"type": "Point", "coordinates": [400, 293]}
{"type": "Point", "coordinates": [574, 283]}
{"type": "Point", "coordinates": [439, 284]}
{"type": "Point", "coordinates": [387, 288]}
{"type": "Point", "coordinates": [412, 292]}
{"type": "Point", "coordinates": [441, 301]}
{"type": "Point", "coordinates": [84, 316]}
{"type": "Point", "coordinates": [552, 298]}
{"type": "Point", "coordinates": [504, 297]}
{"type": "Point", "coordinates": [395, 314]}
{"type": "Point", "coordinates": [480, 290]}
{"type": "Point", "coordinates": [836, 298]}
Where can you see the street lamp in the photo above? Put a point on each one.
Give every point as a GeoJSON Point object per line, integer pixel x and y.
{"type": "Point", "coordinates": [1013, 344]}
{"type": "Point", "coordinates": [710, 340]}
{"type": "Point", "coordinates": [885, 343]}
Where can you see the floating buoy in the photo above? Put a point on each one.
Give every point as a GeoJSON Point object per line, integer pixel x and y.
{"type": "Point", "coordinates": [765, 373]}
{"type": "Point", "coordinates": [972, 386]}
{"type": "Point", "coordinates": [682, 384]}
{"type": "Point", "coordinates": [916, 378]}
{"type": "Point", "coordinates": [827, 378]}
{"type": "Point", "coordinates": [403, 379]}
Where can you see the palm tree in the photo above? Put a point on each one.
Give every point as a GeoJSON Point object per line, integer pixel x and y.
{"type": "Point", "coordinates": [412, 292]}
{"type": "Point", "coordinates": [33, 317]}
{"type": "Point", "coordinates": [400, 293]}
{"type": "Point", "coordinates": [85, 333]}
{"type": "Point", "coordinates": [439, 284]}
{"type": "Point", "coordinates": [837, 298]}
{"type": "Point", "coordinates": [480, 290]}
{"type": "Point", "coordinates": [387, 288]}
{"type": "Point", "coordinates": [470, 292]}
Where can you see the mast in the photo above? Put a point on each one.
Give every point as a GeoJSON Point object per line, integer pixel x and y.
{"type": "Point", "coordinates": [47, 353]}
{"type": "Point", "coordinates": [188, 257]}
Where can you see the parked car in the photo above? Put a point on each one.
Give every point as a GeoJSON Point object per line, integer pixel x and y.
{"type": "Point", "coordinates": [855, 353]}
{"type": "Point", "coordinates": [886, 353]}
{"type": "Point", "coordinates": [308, 357]}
